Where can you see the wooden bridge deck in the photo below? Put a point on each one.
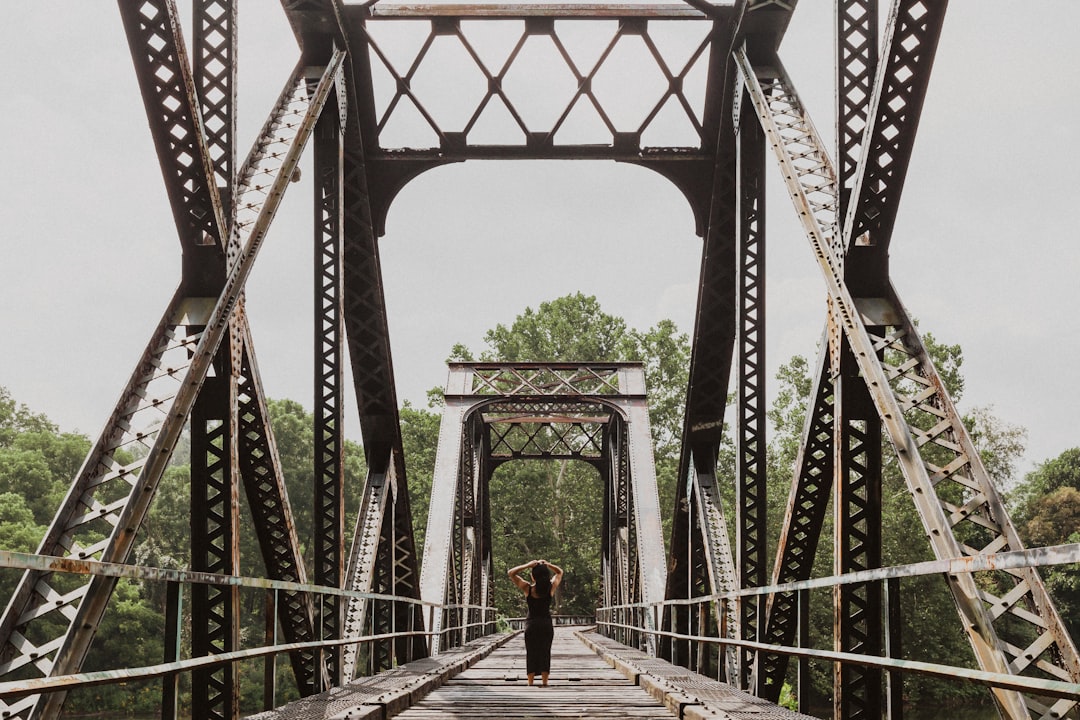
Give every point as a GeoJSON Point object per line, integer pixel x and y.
{"type": "Point", "coordinates": [591, 677]}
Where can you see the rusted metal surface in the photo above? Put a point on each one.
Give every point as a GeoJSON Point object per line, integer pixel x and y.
{"type": "Point", "coordinates": [504, 11]}
{"type": "Point", "coordinates": [912, 384]}
{"type": "Point", "coordinates": [262, 181]}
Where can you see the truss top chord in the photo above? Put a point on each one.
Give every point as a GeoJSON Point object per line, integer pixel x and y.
{"type": "Point", "coordinates": [675, 11]}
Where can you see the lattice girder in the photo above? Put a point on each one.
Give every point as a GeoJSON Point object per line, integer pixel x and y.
{"type": "Point", "coordinates": [329, 342]}
{"type": "Point", "coordinates": [497, 97]}
{"type": "Point", "coordinates": [362, 561]}
{"type": "Point", "coordinates": [808, 175]}
{"type": "Point", "coordinates": [159, 395]}
{"type": "Point", "coordinates": [801, 528]}
{"type": "Point", "coordinates": [165, 77]}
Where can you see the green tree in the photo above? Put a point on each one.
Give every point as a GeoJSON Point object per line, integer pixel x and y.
{"type": "Point", "coordinates": [1062, 471]}
{"type": "Point", "coordinates": [18, 532]}
{"type": "Point", "coordinates": [1047, 512]}
{"type": "Point", "coordinates": [420, 440]}
{"type": "Point", "coordinates": [16, 418]}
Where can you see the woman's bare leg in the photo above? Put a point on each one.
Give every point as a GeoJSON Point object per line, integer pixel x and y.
{"type": "Point", "coordinates": [531, 676]}
{"type": "Point", "coordinates": [543, 678]}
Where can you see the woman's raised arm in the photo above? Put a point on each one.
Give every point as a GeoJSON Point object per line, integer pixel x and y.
{"type": "Point", "coordinates": [517, 579]}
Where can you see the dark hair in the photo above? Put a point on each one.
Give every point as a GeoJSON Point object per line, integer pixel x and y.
{"type": "Point", "coordinates": [541, 575]}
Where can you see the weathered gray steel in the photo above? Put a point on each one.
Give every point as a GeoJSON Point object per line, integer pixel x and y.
{"type": "Point", "coordinates": [163, 388]}
{"type": "Point", "coordinates": [329, 385]}
{"type": "Point", "coordinates": [750, 439]}
{"type": "Point", "coordinates": [812, 186]}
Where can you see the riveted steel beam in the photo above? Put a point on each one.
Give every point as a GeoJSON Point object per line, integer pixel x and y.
{"type": "Point", "coordinates": [214, 425]}
{"type": "Point", "coordinates": [915, 411]}
{"type": "Point", "coordinates": [105, 506]}
{"type": "Point", "coordinates": [362, 565]}
{"type": "Point", "coordinates": [801, 527]}
{"type": "Point", "coordinates": [892, 119]}
{"type": "Point", "coordinates": [329, 340]}
{"type": "Point", "coordinates": [750, 440]}
{"type": "Point", "coordinates": [856, 68]}
{"type": "Point", "coordinates": [857, 623]}
{"type": "Point", "coordinates": [172, 109]}
{"type": "Point", "coordinates": [215, 530]}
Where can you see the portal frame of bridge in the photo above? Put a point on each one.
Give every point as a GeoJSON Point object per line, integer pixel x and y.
{"type": "Point", "coordinates": [495, 413]}
{"type": "Point", "coordinates": [874, 380]}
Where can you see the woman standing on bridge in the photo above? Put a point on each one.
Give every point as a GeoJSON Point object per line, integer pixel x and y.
{"type": "Point", "coordinates": [538, 629]}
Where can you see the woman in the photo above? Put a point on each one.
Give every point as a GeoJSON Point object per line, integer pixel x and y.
{"type": "Point", "coordinates": [538, 630]}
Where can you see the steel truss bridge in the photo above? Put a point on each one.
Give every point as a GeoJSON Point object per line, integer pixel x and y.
{"type": "Point", "coordinates": [713, 606]}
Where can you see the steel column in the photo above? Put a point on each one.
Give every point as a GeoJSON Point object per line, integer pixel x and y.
{"type": "Point", "coordinates": [329, 460]}
{"type": "Point", "coordinates": [750, 440]}
{"type": "Point", "coordinates": [215, 528]}
{"type": "Point", "coordinates": [914, 385]}
{"type": "Point", "coordinates": [857, 691]}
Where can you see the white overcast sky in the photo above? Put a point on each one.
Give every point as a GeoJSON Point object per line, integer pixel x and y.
{"type": "Point", "coordinates": [985, 251]}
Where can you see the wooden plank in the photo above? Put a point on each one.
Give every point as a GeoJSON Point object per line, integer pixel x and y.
{"type": "Point", "coordinates": [581, 685]}
{"type": "Point", "coordinates": [492, 684]}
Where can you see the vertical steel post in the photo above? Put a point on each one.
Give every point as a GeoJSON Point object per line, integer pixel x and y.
{"type": "Point", "coordinates": [751, 443]}
{"type": "Point", "coordinates": [329, 496]}
{"type": "Point", "coordinates": [174, 624]}
{"type": "Point", "coordinates": [215, 546]}
{"type": "Point", "coordinates": [270, 663]}
{"type": "Point", "coordinates": [857, 690]}
{"type": "Point", "coordinates": [215, 469]}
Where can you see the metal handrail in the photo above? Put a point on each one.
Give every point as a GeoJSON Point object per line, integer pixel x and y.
{"type": "Point", "coordinates": [1055, 688]}
{"type": "Point", "coordinates": [49, 563]}
{"type": "Point", "coordinates": [1034, 557]}
{"type": "Point", "coordinates": [1067, 554]}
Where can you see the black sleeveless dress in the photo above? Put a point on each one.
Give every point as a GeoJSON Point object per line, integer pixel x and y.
{"type": "Point", "coordinates": [538, 634]}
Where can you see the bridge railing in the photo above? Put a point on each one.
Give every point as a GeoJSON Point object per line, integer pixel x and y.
{"type": "Point", "coordinates": [704, 648]}
{"type": "Point", "coordinates": [472, 621]}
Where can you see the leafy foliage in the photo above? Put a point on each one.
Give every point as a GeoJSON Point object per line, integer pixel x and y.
{"type": "Point", "coordinates": [1047, 512]}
